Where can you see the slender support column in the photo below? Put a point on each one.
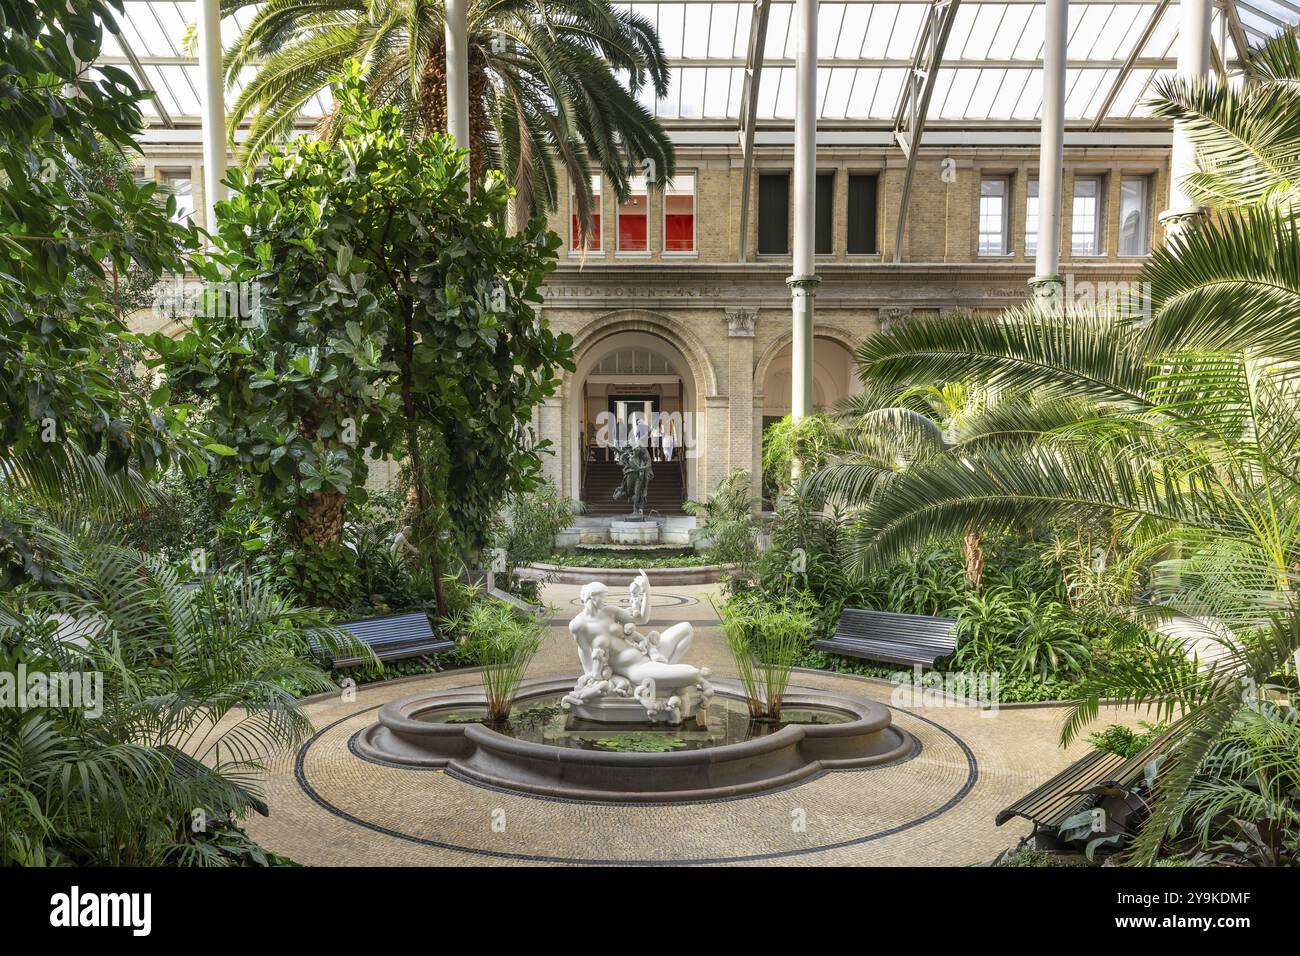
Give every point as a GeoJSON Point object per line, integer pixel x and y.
{"type": "Point", "coordinates": [803, 282]}
{"type": "Point", "coordinates": [1193, 64]}
{"type": "Point", "coordinates": [1047, 283]}
{"type": "Point", "coordinates": [214, 110]}
{"type": "Point", "coordinates": [457, 34]}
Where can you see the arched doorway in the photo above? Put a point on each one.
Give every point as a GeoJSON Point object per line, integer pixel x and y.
{"type": "Point", "coordinates": [633, 384]}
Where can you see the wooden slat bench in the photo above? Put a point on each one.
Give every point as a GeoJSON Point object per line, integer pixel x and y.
{"type": "Point", "coordinates": [892, 638]}
{"type": "Point", "coordinates": [1064, 795]}
{"type": "Point", "coordinates": [394, 637]}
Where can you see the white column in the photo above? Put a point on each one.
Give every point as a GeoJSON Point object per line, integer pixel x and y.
{"type": "Point", "coordinates": [803, 281]}
{"type": "Point", "coordinates": [1047, 283]}
{"type": "Point", "coordinates": [457, 36]}
{"type": "Point", "coordinates": [1193, 64]}
{"type": "Point", "coordinates": [214, 109]}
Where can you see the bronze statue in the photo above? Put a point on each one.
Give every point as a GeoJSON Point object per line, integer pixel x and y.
{"type": "Point", "coordinates": [635, 459]}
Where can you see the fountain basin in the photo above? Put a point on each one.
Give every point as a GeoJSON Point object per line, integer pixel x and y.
{"type": "Point", "coordinates": [851, 733]}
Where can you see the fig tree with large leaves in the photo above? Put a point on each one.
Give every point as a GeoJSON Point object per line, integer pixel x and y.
{"type": "Point", "coordinates": [394, 315]}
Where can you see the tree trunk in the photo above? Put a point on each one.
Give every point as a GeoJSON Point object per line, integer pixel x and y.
{"type": "Point", "coordinates": [974, 560]}
{"type": "Point", "coordinates": [320, 514]}
{"type": "Point", "coordinates": [320, 518]}
{"type": "Point", "coordinates": [425, 534]}
{"type": "Point", "coordinates": [433, 102]}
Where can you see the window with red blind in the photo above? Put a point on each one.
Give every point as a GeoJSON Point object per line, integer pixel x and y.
{"type": "Point", "coordinates": [593, 241]}
{"type": "Point", "coordinates": [679, 214]}
{"type": "Point", "coordinates": [634, 218]}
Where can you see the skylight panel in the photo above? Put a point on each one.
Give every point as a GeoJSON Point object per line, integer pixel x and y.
{"type": "Point", "coordinates": [888, 90]}
{"type": "Point", "coordinates": [1030, 44]}
{"type": "Point", "coordinates": [767, 88]}
{"type": "Point", "coordinates": [171, 26]}
{"type": "Point", "coordinates": [722, 31]}
{"type": "Point", "coordinates": [744, 18]}
{"type": "Point", "coordinates": [1104, 84]}
{"type": "Point", "coordinates": [985, 30]}
{"type": "Point", "coordinates": [672, 19]}
{"type": "Point", "coordinates": [830, 19]}
{"type": "Point", "coordinates": [1030, 102]}
{"type": "Point", "coordinates": [1008, 93]}
{"type": "Point", "coordinates": [1082, 85]}
{"type": "Point", "coordinates": [1086, 23]}
{"type": "Point", "coordinates": [1166, 32]}
{"type": "Point", "coordinates": [902, 43]}
{"type": "Point", "coordinates": [835, 99]}
{"type": "Point", "coordinates": [717, 91]}
{"type": "Point", "coordinates": [695, 31]}
{"type": "Point", "coordinates": [962, 26]}
{"type": "Point", "coordinates": [949, 97]}
{"type": "Point", "coordinates": [984, 90]}
{"type": "Point", "coordinates": [853, 30]}
{"type": "Point", "coordinates": [110, 45]}
{"type": "Point", "coordinates": [778, 24]}
{"type": "Point", "coordinates": [1127, 98]}
{"type": "Point", "coordinates": [164, 90]}
{"type": "Point", "coordinates": [1121, 31]}
{"type": "Point", "coordinates": [785, 91]}
{"type": "Point", "coordinates": [130, 31]}
{"type": "Point", "coordinates": [691, 88]}
{"type": "Point", "coordinates": [884, 17]}
{"type": "Point", "coordinates": [1141, 108]}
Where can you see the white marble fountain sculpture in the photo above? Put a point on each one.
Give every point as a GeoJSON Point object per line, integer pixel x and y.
{"type": "Point", "coordinates": [627, 676]}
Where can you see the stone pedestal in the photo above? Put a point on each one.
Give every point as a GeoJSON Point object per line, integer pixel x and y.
{"type": "Point", "coordinates": [634, 531]}
{"type": "Point", "coordinates": [616, 709]}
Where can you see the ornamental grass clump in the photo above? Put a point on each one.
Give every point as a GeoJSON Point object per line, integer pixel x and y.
{"type": "Point", "coordinates": [765, 641]}
{"type": "Point", "coordinates": [503, 643]}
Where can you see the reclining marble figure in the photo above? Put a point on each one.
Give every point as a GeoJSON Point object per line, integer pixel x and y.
{"type": "Point", "coordinates": [627, 676]}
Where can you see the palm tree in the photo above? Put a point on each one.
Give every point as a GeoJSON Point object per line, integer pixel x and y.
{"type": "Point", "coordinates": [887, 430]}
{"type": "Point", "coordinates": [1180, 427]}
{"type": "Point", "coordinates": [544, 83]}
{"type": "Point", "coordinates": [1188, 450]}
{"type": "Point", "coordinates": [1237, 277]}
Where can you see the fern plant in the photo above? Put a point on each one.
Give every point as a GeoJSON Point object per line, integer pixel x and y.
{"type": "Point", "coordinates": [209, 669]}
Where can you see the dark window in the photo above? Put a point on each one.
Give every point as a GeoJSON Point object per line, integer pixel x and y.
{"type": "Point", "coordinates": [774, 214]}
{"type": "Point", "coordinates": [823, 213]}
{"type": "Point", "coordinates": [862, 215]}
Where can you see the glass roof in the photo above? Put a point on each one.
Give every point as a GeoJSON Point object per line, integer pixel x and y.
{"type": "Point", "coordinates": [990, 75]}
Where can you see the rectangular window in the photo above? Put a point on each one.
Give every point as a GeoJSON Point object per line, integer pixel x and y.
{"type": "Point", "coordinates": [774, 214]}
{"type": "Point", "coordinates": [823, 213]}
{"type": "Point", "coordinates": [1134, 217]}
{"type": "Point", "coordinates": [993, 236]}
{"type": "Point", "coordinates": [1085, 231]}
{"type": "Point", "coordinates": [634, 217]}
{"type": "Point", "coordinates": [1031, 218]}
{"type": "Point", "coordinates": [593, 241]}
{"type": "Point", "coordinates": [679, 214]}
{"type": "Point", "coordinates": [862, 215]}
{"type": "Point", "coordinates": [181, 186]}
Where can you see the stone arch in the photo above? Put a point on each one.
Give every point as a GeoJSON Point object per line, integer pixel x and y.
{"type": "Point", "coordinates": [685, 349]}
{"type": "Point", "coordinates": [643, 320]}
{"type": "Point", "coordinates": [832, 333]}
